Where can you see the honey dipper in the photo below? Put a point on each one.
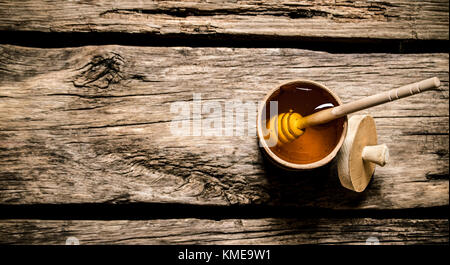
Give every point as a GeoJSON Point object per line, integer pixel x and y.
{"type": "Point", "coordinates": [291, 125]}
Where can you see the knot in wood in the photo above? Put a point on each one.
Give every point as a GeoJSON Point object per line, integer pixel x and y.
{"type": "Point", "coordinates": [100, 72]}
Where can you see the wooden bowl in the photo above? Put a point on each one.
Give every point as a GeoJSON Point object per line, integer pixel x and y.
{"type": "Point", "coordinates": [274, 157]}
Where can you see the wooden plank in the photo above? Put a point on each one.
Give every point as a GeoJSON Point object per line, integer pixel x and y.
{"type": "Point", "coordinates": [92, 125]}
{"type": "Point", "coordinates": [271, 231]}
{"type": "Point", "coordinates": [391, 19]}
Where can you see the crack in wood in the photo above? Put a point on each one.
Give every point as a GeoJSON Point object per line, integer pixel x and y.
{"type": "Point", "coordinates": [336, 11]}
{"type": "Point", "coordinates": [187, 12]}
{"type": "Point", "coordinates": [437, 176]}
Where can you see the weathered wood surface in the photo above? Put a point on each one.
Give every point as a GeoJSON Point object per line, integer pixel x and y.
{"type": "Point", "coordinates": [229, 231]}
{"type": "Point", "coordinates": [91, 124]}
{"type": "Point", "coordinates": [391, 19]}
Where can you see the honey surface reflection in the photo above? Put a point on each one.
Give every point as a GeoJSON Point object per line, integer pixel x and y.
{"type": "Point", "coordinates": [318, 141]}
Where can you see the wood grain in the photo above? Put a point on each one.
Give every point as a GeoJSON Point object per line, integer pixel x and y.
{"type": "Point", "coordinates": [91, 125]}
{"type": "Point", "coordinates": [391, 19]}
{"type": "Point", "coordinates": [265, 231]}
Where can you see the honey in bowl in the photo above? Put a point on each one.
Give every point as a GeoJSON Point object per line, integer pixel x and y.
{"type": "Point", "coordinates": [317, 142]}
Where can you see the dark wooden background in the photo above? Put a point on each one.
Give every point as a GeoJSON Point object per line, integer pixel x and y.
{"type": "Point", "coordinates": [85, 145]}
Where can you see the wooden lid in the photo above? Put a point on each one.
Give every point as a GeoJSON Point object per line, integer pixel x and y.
{"type": "Point", "coordinates": [359, 153]}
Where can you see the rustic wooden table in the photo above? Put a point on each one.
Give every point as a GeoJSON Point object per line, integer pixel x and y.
{"type": "Point", "coordinates": [85, 145]}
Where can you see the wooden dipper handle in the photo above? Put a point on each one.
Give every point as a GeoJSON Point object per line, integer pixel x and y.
{"type": "Point", "coordinates": [330, 114]}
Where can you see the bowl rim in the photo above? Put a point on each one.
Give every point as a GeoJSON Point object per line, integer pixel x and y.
{"type": "Point", "coordinates": [285, 163]}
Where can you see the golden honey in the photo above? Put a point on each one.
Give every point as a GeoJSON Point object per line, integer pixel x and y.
{"type": "Point", "coordinates": [318, 141]}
